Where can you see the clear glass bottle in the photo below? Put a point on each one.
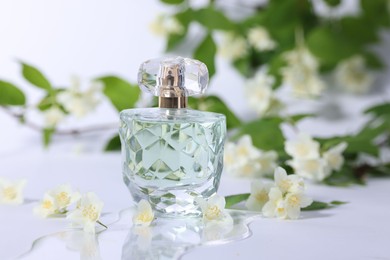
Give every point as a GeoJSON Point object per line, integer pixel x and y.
{"type": "Point", "coordinates": [172, 154]}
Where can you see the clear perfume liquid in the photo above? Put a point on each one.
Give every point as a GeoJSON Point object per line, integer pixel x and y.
{"type": "Point", "coordinates": [172, 156]}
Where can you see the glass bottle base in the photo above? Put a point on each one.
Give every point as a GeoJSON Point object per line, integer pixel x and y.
{"type": "Point", "coordinates": [170, 202]}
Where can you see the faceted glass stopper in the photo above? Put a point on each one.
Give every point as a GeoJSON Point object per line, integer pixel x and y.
{"type": "Point", "coordinates": [190, 75]}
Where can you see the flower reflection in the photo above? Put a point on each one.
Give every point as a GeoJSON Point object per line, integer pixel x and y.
{"type": "Point", "coordinates": [171, 238]}
{"type": "Point", "coordinates": [85, 243]}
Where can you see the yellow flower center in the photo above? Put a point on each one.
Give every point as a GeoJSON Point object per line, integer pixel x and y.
{"type": "Point", "coordinates": [63, 198]}
{"type": "Point", "coordinates": [47, 204]}
{"type": "Point", "coordinates": [90, 212]}
{"type": "Point", "coordinates": [285, 184]}
{"type": "Point", "coordinates": [293, 201]}
{"type": "Point", "coordinates": [280, 211]}
{"type": "Point", "coordinates": [262, 196]}
{"type": "Point", "coordinates": [145, 217]}
{"type": "Point", "coordinates": [213, 212]}
{"type": "Point", "coordinates": [10, 193]}
{"type": "Point", "coordinates": [243, 151]}
{"type": "Point", "coordinates": [302, 149]}
{"type": "Point", "coordinates": [312, 165]}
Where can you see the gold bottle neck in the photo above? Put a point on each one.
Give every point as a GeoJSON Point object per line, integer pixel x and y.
{"type": "Point", "coordinates": [172, 102]}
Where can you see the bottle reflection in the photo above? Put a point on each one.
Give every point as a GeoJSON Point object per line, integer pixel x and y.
{"type": "Point", "coordinates": [171, 238]}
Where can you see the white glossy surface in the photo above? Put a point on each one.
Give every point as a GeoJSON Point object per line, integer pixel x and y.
{"type": "Point", "coordinates": [358, 230]}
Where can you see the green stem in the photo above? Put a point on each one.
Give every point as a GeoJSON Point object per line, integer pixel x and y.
{"type": "Point", "coordinates": [100, 223]}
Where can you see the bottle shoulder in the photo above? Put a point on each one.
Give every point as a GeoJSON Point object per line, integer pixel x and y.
{"type": "Point", "coordinates": [168, 114]}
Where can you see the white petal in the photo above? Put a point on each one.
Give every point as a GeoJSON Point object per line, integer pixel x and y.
{"type": "Point", "coordinates": [269, 209]}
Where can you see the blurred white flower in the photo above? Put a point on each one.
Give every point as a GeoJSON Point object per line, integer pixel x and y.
{"type": "Point", "coordinates": [353, 75]}
{"type": "Point", "coordinates": [144, 215]}
{"type": "Point", "coordinates": [267, 161]}
{"type": "Point", "coordinates": [258, 196]}
{"type": "Point", "coordinates": [294, 202]}
{"type": "Point", "coordinates": [80, 103]}
{"type": "Point", "coordinates": [244, 159]}
{"type": "Point", "coordinates": [260, 39]}
{"type": "Point", "coordinates": [87, 212]}
{"type": "Point", "coordinates": [53, 116]}
{"type": "Point", "coordinates": [238, 154]}
{"type": "Point", "coordinates": [11, 192]}
{"type": "Point", "coordinates": [64, 196]}
{"type": "Point", "coordinates": [46, 207]}
{"type": "Point", "coordinates": [304, 147]}
{"type": "Point", "coordinates": [288, 183]}
{"type": "Point", "coordinates": [334, 156]}
{"type": "Point", "coordinates": [275, 207]}
{"type": "Point", "coordinates": [344, 8]}
{"type": "Point", "coordinates": [313, 169]}
{"type": "Point", "coordinates": [165, 24]}
{"type": "Point", "coordinates": [233, 47]}
{"type": "Point", "coordinates": [301, 73]}
{"type": "Point", "coordinates": [260, 95]}
{"type": "Point", "coordinates": [213, 211]}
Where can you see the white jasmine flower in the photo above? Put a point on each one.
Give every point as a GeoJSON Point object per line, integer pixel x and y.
{"type": "Point", "coordinates": [164, 25]}
{"type": "Point", "coordinates": [46, 207]}
{"type": "Point", "coordinates": [87, 212]}
{"type": "Point", "coordinates": [275, 207]}
{"type": "Point", "coordinates": [303, 148]}
{"type": "Point", "coordinates": [260, 95]}
{"type": "Point", "coordinates": [314, 169]}
{"type": "Point", "coordinates": [259, 195]}
{"type": "Point", "coordinates": [239, 153]}
{"type": "Point", "coordinates": [260, 39]}
{"type": "Point", "coordinates": [53, 116]}
{"type": "Point", "coordinates": [294, 202]}
{"type": "Point", "coordinates": [334, 156]}
{"type": "Point", "coordinates": [301, 73]}
{"type": "Point", "coordinates": [144, 215]}
{"type": "Point", "coordinates": [64, 196]}
{"type": "Point", "coordinates": [213, 211]}
{"type": "Point", "coordinates": [233, 47]}
{"type": "Point", "coordinates": [353, 75]}
{"type": "Point", "coordinates": [267, 161]}
{"type": "Point", "coordinates": [288, 183]}
{"type": "Point", "coordinates": [80, 103]}
{"type": "Point", "coordinates": [11, 192]}
{"type": "Point", "coordinates": [345, 8]}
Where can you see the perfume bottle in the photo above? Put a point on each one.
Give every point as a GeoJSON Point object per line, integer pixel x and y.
{"type": "Point", "coordinates": [172, 154]}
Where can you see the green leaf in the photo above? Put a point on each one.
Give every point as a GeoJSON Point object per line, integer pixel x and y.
{"type": "Point", "coordinates": [318, 205]}
{"type": "Point", "coordinates": [333, 3]}
{"type": "Point", "coordinates": [379, 110]}
{"type": "Point", "coordinates": [11, 95]}
{"type": "Point", "coordinates": [215, 104]}
{"type": "Point", "coordinates": [373, 61]}
{"type": "Point", "coordinates": [337, 202]}
{"type": "Point", "coordinates": [114, 144]}
{"type": "Point", "coordinates": [359, 30]}
{"type": "Point", "coordinates": [213, 19]}
{"type": "Point", "coordinates": [172, 2]}
{"type": "Point", "coordinates": [185, 19]}
{"type": "Point", "coordinates": [275, 66]}
{"type": "Point", "coordinates": [331, 46]}
{"type": "Point", "coordinates": [243, 66]}
{"type": "Point", "coordinates": [376, 12]}
{"type": "Point", "coordinates": [47, 136]}
{"type": "Point", "coordinates": [122, 94]}
{"type": "Point", "coordinates": [235, 199]}
{"type": "Point", "coordinates": [205, 52]}
{"type": "Point", "coordinates": [35, 77]}
{"type": "Point", "coordinates": [266, 133]}
{"type": "Point", "coordinates": [296, 118]}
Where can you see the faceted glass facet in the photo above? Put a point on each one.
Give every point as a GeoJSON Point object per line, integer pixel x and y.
{"type": "Point", "coordinates": [195, 76]}
{"type": "Point", "coordinates": [172, 156]}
